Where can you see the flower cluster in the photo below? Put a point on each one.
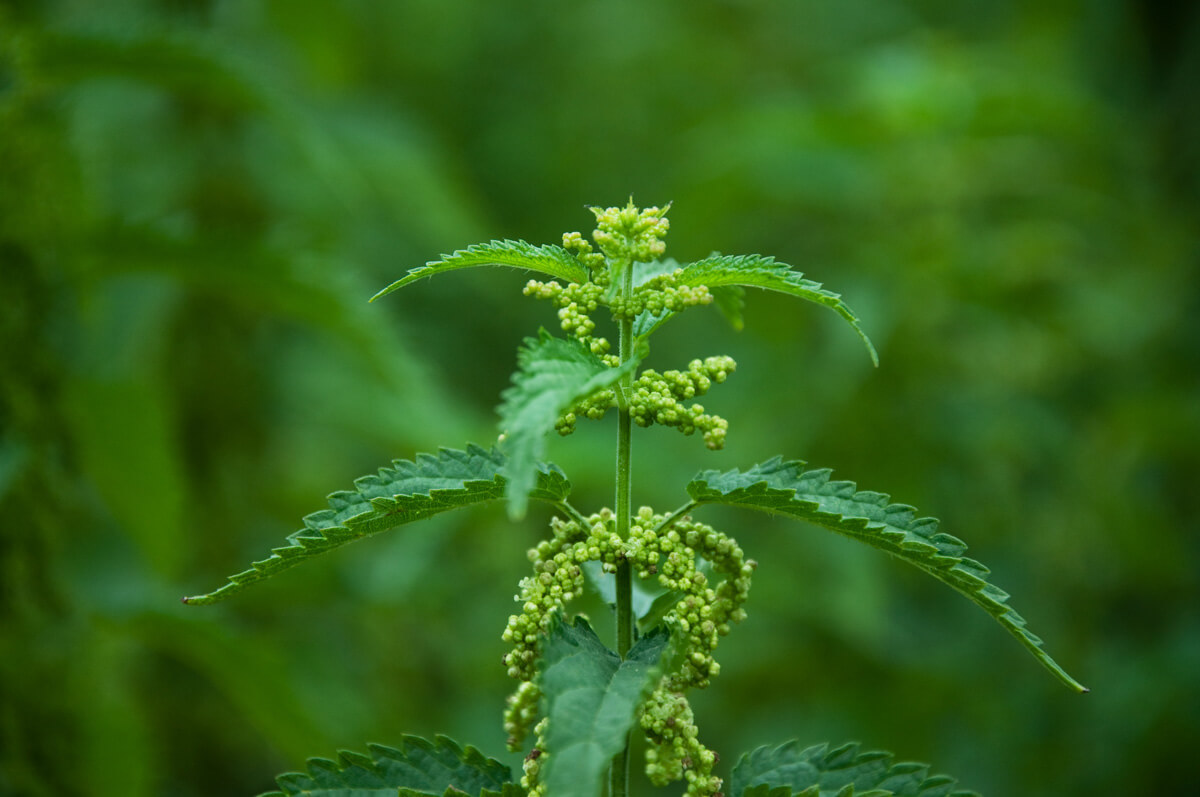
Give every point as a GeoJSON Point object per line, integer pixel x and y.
{"type": "Point", "coordinates": [660, 294]}
{"type": "Point", "coordinates": [534, 762]}
{"type": "Point", "coordinates": [699, 619]}
{"type": "Point", "coordinates": [557, 578]}
{"type": "Point", "coordinates": [577, 245]}
{"type": "Point", "coordinates": [657, 398]}
{"type": "Point", "coordinates": [658, 546]}
{"type": "Point", "coordinates": [576, 303]}
{"type": "Point", "coordinates": [675, 752]}
{"type": "Point", "coordinates": [631, 235]}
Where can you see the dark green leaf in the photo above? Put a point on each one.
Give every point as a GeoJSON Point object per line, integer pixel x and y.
{"type": "Point", "coordinates": [418, 767]}
{"type": "Point", "coordinates": [553, 375]}
{"type": "Point", "coordinates": [551, 260]}
{"type": "Point", "coordinates": [788, 771]}
{"type": "Point", "coordinates": [403, 493]}
{"type": "Point", "coordinates": [786, 488]}
{"type": "Point", "coordinates": [592, 697]}
{"type": "Point", "coordinates": [757, 271]}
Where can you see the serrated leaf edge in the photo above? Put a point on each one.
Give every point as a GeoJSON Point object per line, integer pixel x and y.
{"type": "Point", "coordinates": [318, 768]}
{"type": "Point", "coordinates": [872, 519]}
{"type": "Point", "coordinates": [547, 259]}
{"type": "Point", "coordinates": [324, 530]}
{"type": "Point", "coordinates": [826, 759]}
{"type": "Point", "coordinates": [764, 271]}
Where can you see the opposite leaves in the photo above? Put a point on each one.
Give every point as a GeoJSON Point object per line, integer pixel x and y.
{"type": "Point", "coordinates": [418, 769]}
{"type": "Point", "coordinates": [553, 375]}
{"type": "Point", "coordinates": [592, 697]}
{"type": "Point", "coordinates": [403, 493]}
{"type": "Point", "coordinates": [786, 488]}
{"type": "Point", "coordinates": [788, 771]}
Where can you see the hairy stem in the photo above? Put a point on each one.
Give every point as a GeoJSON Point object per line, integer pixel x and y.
{"type": "Point", "coordinates": [623, 506]}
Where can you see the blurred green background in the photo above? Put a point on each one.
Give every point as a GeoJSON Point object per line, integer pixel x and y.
{"type": "Point", "coordinates": [197, 197]}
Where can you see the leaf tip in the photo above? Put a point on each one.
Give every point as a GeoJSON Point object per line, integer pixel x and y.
{"type": "Point", "coordinates": [387, 290]}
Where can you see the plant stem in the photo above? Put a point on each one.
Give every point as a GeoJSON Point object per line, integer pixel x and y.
{"type": "Point", "coordinates": [623, 506]}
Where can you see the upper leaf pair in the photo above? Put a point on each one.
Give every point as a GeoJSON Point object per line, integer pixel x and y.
{"type": "Point", "coordinates": [716, 272]}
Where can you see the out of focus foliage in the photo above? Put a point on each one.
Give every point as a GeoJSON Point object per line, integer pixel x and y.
{"type": "Point", "coordinates": [196, 198]}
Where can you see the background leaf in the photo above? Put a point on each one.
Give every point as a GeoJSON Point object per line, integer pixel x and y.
{"type": "Point", "coordinates": [591, 697]}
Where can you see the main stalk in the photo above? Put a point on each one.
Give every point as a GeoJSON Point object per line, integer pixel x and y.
{"type": "Point", "coordinates": [623, 505]}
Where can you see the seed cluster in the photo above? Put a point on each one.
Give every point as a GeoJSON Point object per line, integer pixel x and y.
{"type": "Point", "coordinates": [658, 546]}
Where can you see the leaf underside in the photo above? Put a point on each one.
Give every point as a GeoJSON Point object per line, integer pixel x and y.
{"type": "Point", "coordinates": [786, 488]}
{"type": "Point", "coordinates": [757, 271]}
{"type": "Point", "coordinates": [418, 767]}
{"type": "Point", "coordinates": [592, 696]}
{"type": "Point", "coordinates": [818, 771]}
{"type": "Point", "coordinates": [549, 259]}
{"type": "Point", "coordinates": [552, 375]}
{"type": "Point", "coordinates": [405, 492]}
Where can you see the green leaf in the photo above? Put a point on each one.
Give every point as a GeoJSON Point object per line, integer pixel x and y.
{"type": "Point", "coordinates": [552, 375]}
{"type": "Point", "coordinates": [758, 271]}
{"type": "Point", "coordinates": [786, 488]}
{"type": "Point", "coordinates": [788, 771]}
{"type": "Point", "coordinates": [592, 697]}
{"type": "Point", "coordinates": [403, 493]}
{"type": "Point", "coordinates": [548, 259]}
{"type": "Point", "coordinates": [418, 767]}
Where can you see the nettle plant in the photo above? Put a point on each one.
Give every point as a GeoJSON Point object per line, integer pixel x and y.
{"type": "Point", "coordinates": [675, 584]}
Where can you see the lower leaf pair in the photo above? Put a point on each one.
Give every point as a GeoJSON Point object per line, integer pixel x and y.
{"type": "Point", "coordinates": [592, 699]}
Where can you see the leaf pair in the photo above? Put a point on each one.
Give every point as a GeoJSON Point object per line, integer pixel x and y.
{"type": "Point", "coordinates": [431, 484]}
{"type": "Point", "coordinates": [724, 275]}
